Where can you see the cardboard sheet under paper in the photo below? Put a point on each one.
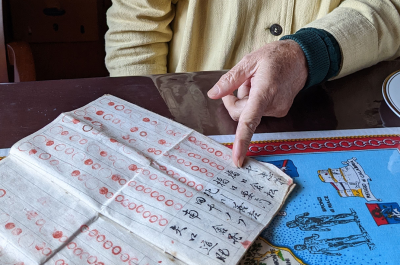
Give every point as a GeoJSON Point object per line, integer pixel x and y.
{"type": "Point", "coordinates": [112, 183]}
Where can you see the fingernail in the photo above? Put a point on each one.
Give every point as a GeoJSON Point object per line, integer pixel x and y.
{"type": "Point", "coordinates": [213, 92]}
{"type": "Point", "coordinates": [240, 162]}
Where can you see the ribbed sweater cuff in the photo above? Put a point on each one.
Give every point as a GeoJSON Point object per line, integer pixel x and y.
{"type": "Point", "coordinates": [322, 53]}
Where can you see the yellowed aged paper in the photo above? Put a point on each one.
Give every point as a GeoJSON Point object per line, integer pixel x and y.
{"type": "Point", "coordinates": [112, 183]}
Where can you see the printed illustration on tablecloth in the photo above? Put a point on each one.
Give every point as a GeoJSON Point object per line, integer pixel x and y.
{"type": "Point", "coordinates": [263, 252]}
{"type": "Point", "coordinates": [385, 213]}
{"type": "Point", "coordinates": [286, 166]}
{"type": "Point", "coordinates": [321, 223]}
{"type": "Point", "coordinates": [349, 181]}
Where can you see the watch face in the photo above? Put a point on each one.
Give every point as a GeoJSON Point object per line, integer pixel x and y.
{"type": "Point", "coordinates": [391, 92]}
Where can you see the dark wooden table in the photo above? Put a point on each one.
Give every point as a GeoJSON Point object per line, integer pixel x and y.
{"type": "Point", "coordinates": [347, 103]}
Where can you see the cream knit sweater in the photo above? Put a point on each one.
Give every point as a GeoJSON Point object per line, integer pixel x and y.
{"type": "Point", "coordinates": [160, 36]}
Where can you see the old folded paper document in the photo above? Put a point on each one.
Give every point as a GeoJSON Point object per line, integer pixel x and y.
{"type": "Point", "coordinates": [112, 183]}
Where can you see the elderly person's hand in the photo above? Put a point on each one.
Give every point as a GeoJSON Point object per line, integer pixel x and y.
{"type": "Point", "coordinates": [267, 81]}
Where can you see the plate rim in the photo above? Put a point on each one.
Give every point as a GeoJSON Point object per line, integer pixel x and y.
{"type": "Point", "coordinates": [385, 93]}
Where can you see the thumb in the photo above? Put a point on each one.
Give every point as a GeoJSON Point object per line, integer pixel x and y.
{"type": "Point", "coordinates": [233, 79]}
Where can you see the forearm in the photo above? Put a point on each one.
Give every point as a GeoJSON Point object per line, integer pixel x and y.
{"type": "Point", "coordinates": [367, 31]}
{"type": "Point", "coordinates": [138, 36]}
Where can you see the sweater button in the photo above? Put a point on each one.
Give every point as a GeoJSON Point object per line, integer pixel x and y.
{"type": "Point", "coordinates": [276, 29]}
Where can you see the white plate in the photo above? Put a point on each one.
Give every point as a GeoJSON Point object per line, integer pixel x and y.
{"type": "Point", "coordinates": [391, 92]}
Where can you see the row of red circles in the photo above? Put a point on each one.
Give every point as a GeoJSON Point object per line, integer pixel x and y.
{"type": "Point", "coordinates": [141, 210]}
{"type": "Point", "coordinates": [191, 184]}
{"type": "Point", "coordinates": [107, 244]}
{"type": "Point", "coordinates": [183, 180]}
{"type": "Point", "coordinates": [206, 161]}
{"type": "Point", "coordinates": [211, 150]}
{"type": "Point", "coordinates": [194, 168]}
{"type": "Point", "coordinates": [156, 195]}
{"type": "Point", "coordinates": [18, 231]}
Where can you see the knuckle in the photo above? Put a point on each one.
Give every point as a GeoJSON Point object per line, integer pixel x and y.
{"type": "Point", "coordinates": [252, 124]}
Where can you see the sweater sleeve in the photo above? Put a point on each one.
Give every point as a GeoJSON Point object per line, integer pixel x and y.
{"type": "Point", "coordinates": [367, 31]}
{"type": "Point", "coordinates": [138, 36]}
{"type": "Point", "coordinates": [322, 53]}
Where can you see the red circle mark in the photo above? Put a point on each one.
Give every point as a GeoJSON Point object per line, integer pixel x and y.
{"type": "Point", "coordinates": [181, 190]}
{"type": "Point", "coordinates": [88, 118]}
{"type": "Point", "coordinates": [178, 206]}
{"type": "Point", "coordinates": [141, 207]}
{"type": "Point", "coordinates": [203, 170]}
{"type": "Point", "coordinates": [75, 173]}
{"type": "Point", "coordinates": [134, 129]}
{"type": "Point", "coordinates": [115, 252]}
{"type": "Point", "coordinates": [163, 223]}
{"type": "Point", "coordinates": [158, 152]}
{"type": "Point", "coordinates": [180, 161]}
{"type": "Point", "coordinates": [126, 137]}
{"type": "Point", "coordinates": [192, 139]}
{"type": "Point", "coordinates": [209, 174]}
{"type": "Point", "coordinates": [32, 152]}
{"type": "Point", "coordinates": [162, 199]}
{"type": "Point", "coordinates": [153, 177]}
{"type": "Point", "coordinates": [132, 207]}
{"type": "Point", "coordinates": [96, 166]}
{"type": "Point", "coordinates": [10, 225]}
{"type": "Point", "coordinates": [153, 219]}
{"type": "Point", "coordinates": [132, 167]}
{"type": "Point", "coordinates": [103, 153]}
{"type": "Point", "coordinates": [113, 140]}
{"type": "Point", "coordinates": [146, 119]}
{"type": "Point", "coordinates": [49, 143]}
{"type": "Point", "coordinates": [169, 202]}
{"type": "Point", "coordinates": [88, 161]}
{"type": "Point", "coordinates": [119, 198]}
{"type": "Point", "coordinates": [75, 121]}
{"type": "Point", "coordinates": [146, 172]}
{"type": "Point", "coordinates": [44, 156]}
{"type": "Point", "coordinates": [83, 229]}
{"type": "Point", "coordinates": [2, 193]}
{"type": "Point", "coordinates": [191, 194]}
{"type": "Point", "coordinates": [210, 150]}
{"type": "Point", "coordinates": [182, 179]}
{"type": "Point", "coordinates": [122, 182]}
{"type": "Point", "coordinates": [132, 183]}
{"type": "Point", "coordinates": [143, 133]}
{"type": "Point", "coordinates": [116, 177]}
{"type": "Point", "coordinates": [64, 133]}
{"type": "Point", "coordinates": [146, 214]}
{"type": "Point", "coordinates": [100, 112]}
{"type": "Point", "coordinates": [213, 164]}
{"type": "Point", "coordinates": [174, 187]}
{"type": "Point", "coordinates": [187, 163]}
{"type": "Point", "coordinates": [103, 190]}
{"type": "Point", "coordinates": [163, 168]}
{"type": "Point", "coordinates": [151, 150]}
{"type": "Point", "coordinates": [119, 107]}
{"type": "Point", "coordinates": [16, 231]}
{"type": "Point", "coordinates": [220, 167]}
{"type": "Point", "coordinates": [111, 103]}
{"type": "Point", "coordinates": [195, 168]}
{"type": "Point", "coordinates": [147, 190]}
{"type": "Point", "coordinates": [191, 183]}
{"type": "Point", "coordinates": [218, 153]}
{"type": "Point", "coordinates": [162, 141]}
{"type": "Point", "coordinates": [139, 187]}
{"type": "Point", "coordinates": [155, 194]}
{"type": "Point", "coordinates": [199, 187]}
{"type": "Point", "coordinates": [57, 234]}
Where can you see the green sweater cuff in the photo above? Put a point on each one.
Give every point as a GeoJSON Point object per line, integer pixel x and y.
{"type": "Point", "coordinates": [322, 52]}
